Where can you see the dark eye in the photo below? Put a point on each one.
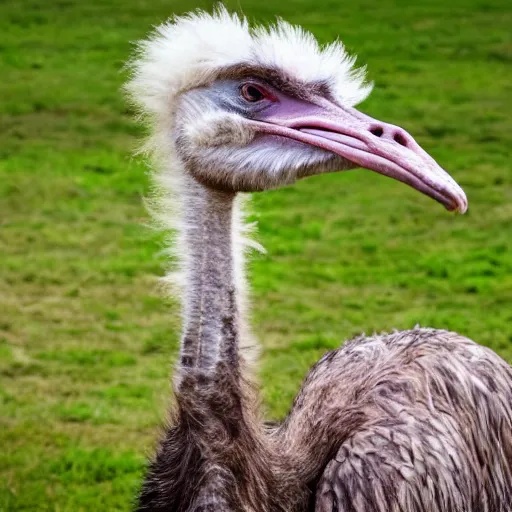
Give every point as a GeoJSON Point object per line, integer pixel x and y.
{"type": "Point", "coordinates": [252, 93]}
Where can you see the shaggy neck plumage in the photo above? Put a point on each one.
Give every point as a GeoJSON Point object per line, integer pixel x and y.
{"type": "Point", "coordinates": [210, 328]}
{"type": "Point", "coordinates": [215, 435]}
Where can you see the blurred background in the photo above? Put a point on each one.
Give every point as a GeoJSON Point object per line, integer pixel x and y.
{"type": "Point", "coordinates": [87, 342]}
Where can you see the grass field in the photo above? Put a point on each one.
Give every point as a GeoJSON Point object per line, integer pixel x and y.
{"type": "Point", "coordinates": [86, 341]}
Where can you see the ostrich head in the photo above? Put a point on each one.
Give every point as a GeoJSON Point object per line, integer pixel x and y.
{"type": "Point", "coordinates": [248, 109]}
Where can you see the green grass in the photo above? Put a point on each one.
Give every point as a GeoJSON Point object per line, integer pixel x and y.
{"type": "Point", "coordinates": [86, 342]}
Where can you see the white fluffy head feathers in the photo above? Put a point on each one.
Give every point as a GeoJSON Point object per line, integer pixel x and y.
{"type": "Point", "coordinates": [189, 51]}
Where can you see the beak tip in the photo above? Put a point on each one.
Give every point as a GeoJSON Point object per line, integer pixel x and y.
{"type": "Point", "coordinates": [461, 203]}
{"type": "Point", "coordinates": [458, 209]}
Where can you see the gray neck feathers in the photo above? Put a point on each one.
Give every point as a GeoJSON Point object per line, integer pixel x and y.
{"type": "Point", "coordinates": [211, 324]}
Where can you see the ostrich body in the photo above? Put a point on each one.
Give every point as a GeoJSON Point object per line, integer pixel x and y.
{"type": "Point", "coordinates": [419, 420]}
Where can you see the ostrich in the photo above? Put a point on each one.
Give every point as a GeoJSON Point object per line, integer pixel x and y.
{"type": "Point", "coordinates": [419, 420]}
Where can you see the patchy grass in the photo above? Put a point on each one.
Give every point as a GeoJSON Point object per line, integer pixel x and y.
{"type": "Point", "coordinates": [85, 341]}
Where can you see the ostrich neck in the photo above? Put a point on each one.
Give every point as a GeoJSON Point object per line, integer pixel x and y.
{"type": "Point", "coordinates": [213, 396]}
{"type": "Point", "coordinates": [210, 312]}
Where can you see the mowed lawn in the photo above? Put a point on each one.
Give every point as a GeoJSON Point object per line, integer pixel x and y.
{"type": "Point", "coordinates": [87, 343]}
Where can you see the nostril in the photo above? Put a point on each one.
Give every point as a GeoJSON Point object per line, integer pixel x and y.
{"type": "Point", "coordinates": [400, 139]}
{"type": "Point", "coordinates": [377, 131]}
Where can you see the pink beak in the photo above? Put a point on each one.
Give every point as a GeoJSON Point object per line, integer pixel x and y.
{"type": "Point", "coordinates": [368, 143]}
